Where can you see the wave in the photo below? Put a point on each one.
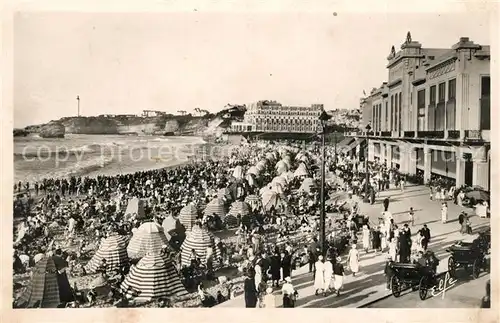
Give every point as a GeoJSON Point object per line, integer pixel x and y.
{"type": "Point", "coordinates": [64, 151]}
{"type": "Point", "coordinates": [84, 167]}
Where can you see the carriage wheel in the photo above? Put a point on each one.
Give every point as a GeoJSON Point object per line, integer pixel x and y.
{"type": "Point", "coordinates": [422, 288]}
{"type": "Point", "coordinates": [476, 268]}
{"type": "Point", "coordinates": [451, 267]}
{"type": "Point", "coordinates": [395, 286]}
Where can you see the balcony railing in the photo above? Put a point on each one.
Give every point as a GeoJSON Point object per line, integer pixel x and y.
{"type": "Point", "coordinates": [431, 134]}
{"type": "Point", "coordinates": [409, 134]}
{"type": "Point", "coordinates": [473, 135]}
{"type": "Point", "coordinates": [453, 134]}
{"type": "Point", "coordinates": [385, 133]}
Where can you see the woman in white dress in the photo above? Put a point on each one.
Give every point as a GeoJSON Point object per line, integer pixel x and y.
{"type": "Point", "coordinates": [258, 276]}
{"type": "Point", "coordinates": [353, 260]}
{"type": "Point", "coordinates": [444, 212]}
{"type": "Point", "coordinates": [319, 275]}
{"type": "Point", "coordinates": [328, 274]}
{"type": "Point", "coordinates": [393, 249]}
{"type": "Point", "coordinates": [366, 238]}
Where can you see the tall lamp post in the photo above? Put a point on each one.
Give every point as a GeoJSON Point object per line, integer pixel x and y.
{"type": "Point", "coordinates": [323, 118]}
{"type": "Point", "coordinates": [367, 174]}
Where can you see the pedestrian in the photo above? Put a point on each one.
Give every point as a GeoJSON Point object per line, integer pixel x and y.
{"type": "Point", "coordinates": [289, 293]}
{"type": "Point", "coordinates": [388, 272]}
{"type": "Point", "coordinates": [444, 213]}
{"type": "Point", "coordinates": [366, 238]}
{"type": "Point", "coordinates": [328, 274]}
{"type": "Point", "coordinates": [275, 269]}
{"type": "Point", "coordinates": [411, 216]}
{"type": "Point", "coordinates": [353, 260]}
{"type": "Point", "coordinates": [462, 220]}
{"type": "Point", "coordinates": [338, 272]}
{"type": "Point", "coordinates": [393, 250]}
{"type": "Point", "coordinates": [386, 204]}
{"type": "Point", "coordinates": [319, 278]}
{"type": "Point", "coordinates": [269, 300]}
{"type": "Point", "coordinates": [249, 289]}
{"type": "Point", "coordinates": [426, 236]}
{"type": "Point", "coordinates": [286, 264]}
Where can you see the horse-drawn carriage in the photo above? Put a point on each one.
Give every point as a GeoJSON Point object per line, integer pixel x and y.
{"type": "Point", "coordinates": [470, 254]}
{"type": "Point", "coordinates": [414, 276]}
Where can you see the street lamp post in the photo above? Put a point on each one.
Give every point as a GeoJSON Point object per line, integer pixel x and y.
{"type": "Point", "coordinates": [367, 174]}
{"type": "Point", "coordinates": [323, 118]}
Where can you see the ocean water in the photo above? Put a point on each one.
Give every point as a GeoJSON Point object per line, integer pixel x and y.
{"type": "Point", "coordinates": [36, 158]}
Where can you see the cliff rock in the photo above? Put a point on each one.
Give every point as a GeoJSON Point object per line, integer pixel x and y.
{"type": "Point", "coordinates": [52, 130]}
{"type": "Point", "coordinates": [20, 133]}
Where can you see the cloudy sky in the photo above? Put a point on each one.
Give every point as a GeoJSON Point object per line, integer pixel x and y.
{"type": "Point", "coordinates": [127, 62]}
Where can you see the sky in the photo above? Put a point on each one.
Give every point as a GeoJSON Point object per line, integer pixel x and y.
{"type": "Point", "coordinates": [121, 63]}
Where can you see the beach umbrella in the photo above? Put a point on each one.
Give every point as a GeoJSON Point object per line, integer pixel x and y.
{"type": "Point", "coordinates": [253, 170]}
{"type": "Point", "coordinates": [155, 276]}
{"type": "Point", "coordinates": [135, 207]}
{"type": "Point", "coordinates": [278, 188]}
{"type": "Point", "coordinates": [254, 201]}
{"type": "Point", "coordinates": [307, 184]}
{"type": "Point", "coordinates": [46, 288]}
{"type": "Point", "coordinates": [300, 155]}
{"type": "Point", "coordinates": [114, 250]}
{"type": "Point", "coordinates": [188, 216]}
{"type": "Point", "coordinates": [280, 180]}
{"type": "Point", "coordinates": [287, 161]}
{"type": "Point", "coordinates": [270, 156]}
{"type": "Point", "coordinates": [198, 239]}
{"type": "Point", "coordinates": [261, 165]}
{"type": "Point", "coordinates": [301, 171]}
{"type": "Point", "coordinates": [251, 180]}
{"type": "Point", "coordinates": [230, 221]}
{"type": "Point", "coordinates": [270, 199]}
{"type": "Point", "coordinates": [238, 172]}
{"type": "Point", "coordinates": [149, 237]}
{"type": "Point", "coordinates": [239, 207]}
{"type": "Point", "coordinates": [288, 176]}
{"type": "Point", "coordinates": [216, 206]}
{"type": "Point", "coordinates": [281, 164]}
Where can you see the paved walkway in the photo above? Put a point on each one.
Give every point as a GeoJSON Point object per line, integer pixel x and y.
{"type": "Point", "coordinates": [369, 285]}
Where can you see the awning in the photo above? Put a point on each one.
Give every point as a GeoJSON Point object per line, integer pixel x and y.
{"type": "Point", "coordinates": [353, 145]}
{"type": "Point", "coordinates": [346, 141]}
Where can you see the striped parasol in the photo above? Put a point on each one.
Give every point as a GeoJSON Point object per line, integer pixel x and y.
{"type": "Point", "coordinates": [240, 208]}
{"type": "Point", "coordinates": [301, 171]}
{"type": "Point", "coordinates": [254, 201]}
{"type": "Point", "coordinates": [230, 221]}
{"type": "Point", "coordinates": [149, 237]}
{"type": "Point", "coordinates": [270, 199]}
{"type": "Point", "coordinates": [153, 277]}
{"type": "Point", "coordinates": [188, 216]}
{"type": "Point", "coordinates": [114, 250]}
{"type": "Point", "coordinates": [216, 206]}
{"type": "Point", "coordinates": [43, 289]}
{"type": "Point", "coordinates": [198, 239]}
{"type": "Point", "coordinates": [253, 170]}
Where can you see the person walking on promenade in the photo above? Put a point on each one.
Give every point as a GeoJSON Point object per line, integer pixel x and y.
{"type": "Point", "coordinates": [462, 219]}
{"type": "Point", "coordinates": [393, 249]}
{"type": "Point", "coordinates": [338, 272]}
{"type": "Point", "coordinates": [289, 293]}
{"type": "Point", "coordinates": [353, 260]}
{"type": "Point", "coordinates": [269, 301]}
{"type": "Point", "coordinates": [312, 251]}
{"type": "Point", "coordinates": [425, 233]}
{"type": "Point", "coordinates": [319, 278]}
{"type": "Point", "coordinates": [328, 273]}
{"type": "Point", "coordinates": [286, 264]}
{"type": "Point", "coordinates": [411, 216]}
{"type": "Point", "coordinates": [275, 269]}
{"type": "Point", "coordinates": [386, 204]}
{"type": "Point", "coordinates": [366, 238]}
{"type": "Point", "coordinates": [249, 289]}
{"type": "Point", "coordinates": [444, 213]}
{"type": "Point", "coordinates": [388, 272]}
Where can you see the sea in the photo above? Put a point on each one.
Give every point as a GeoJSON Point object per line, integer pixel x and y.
{"type": "Point", "coordinates": [36, 158]}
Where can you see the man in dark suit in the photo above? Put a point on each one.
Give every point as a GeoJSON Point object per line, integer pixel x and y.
{"type": "Point", "coordinates": [250, 289]}
{"type": "Point", "coordinates": [386, 204]}
{"type": "Point", "coordinates": [426, 236]}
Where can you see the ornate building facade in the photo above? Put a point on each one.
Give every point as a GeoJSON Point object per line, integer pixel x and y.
{"type": "Point", "coordinates": [432, 115]}
{"type": "Point", "coordinates": [271, 116]}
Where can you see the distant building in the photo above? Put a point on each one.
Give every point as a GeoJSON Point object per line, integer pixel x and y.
{"type": "Point", "coordinates": [433, 114]}
{"type": "Point", "coordinates": [271, 116]}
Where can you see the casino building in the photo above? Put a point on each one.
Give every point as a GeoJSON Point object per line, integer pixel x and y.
{"type": "Point", "coordinates": [273, 117]}
{"type": "Point", "coordinates": [432, 115]}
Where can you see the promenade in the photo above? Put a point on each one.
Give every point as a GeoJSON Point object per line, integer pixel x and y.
{"type": "Point", "coordinates": [368, 286]}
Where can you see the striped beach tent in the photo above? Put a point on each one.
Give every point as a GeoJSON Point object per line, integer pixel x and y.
{"type": "Point", "coordinates": [216, 206]}
{"type": "Point", "coordinates": [239, 207]}
{"type": "Point", "coordinates": [46, 288]}
{"type": "Point", "coordinates": [114, 250]}
{"type": "Point", "coordinates": [155, 276]}
{"type": "Point", "coordinates": [188, 216]}
{"type": "Point", "coordinates": [253, 201]}
{"type": "Point", "coordinates": [149, 237]}
{"type": "Point", "coordinates": [198, 239]}
{"type": "Point", "coordinates": [230, 221]}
